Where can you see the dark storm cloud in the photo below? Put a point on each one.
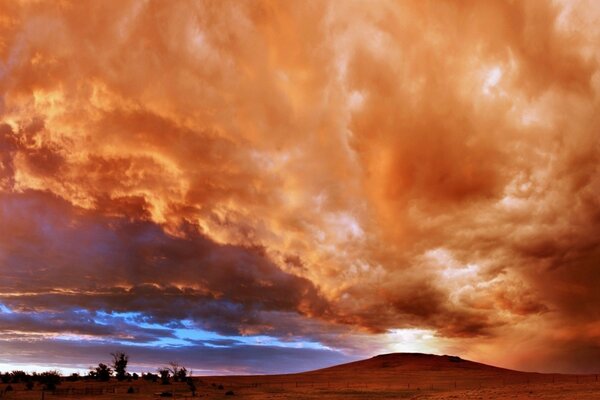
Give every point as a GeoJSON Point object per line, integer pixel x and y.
{"type": "Point", "coordinates": [76, 322]}
{"type": "Point", "coordinates": [56, 256]}
{"type": "Point", "coordinates": [251, 166]}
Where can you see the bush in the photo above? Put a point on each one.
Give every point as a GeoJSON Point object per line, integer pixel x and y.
{"type": "Point", "coordinates": [103, 372]}
{"type": "Point", "coordinates": [19, 376]}
{"type": "Point", "coordinates": [135, 376]}
{"type": "Point", "coordinates": [120, 361]}
{"type": "Point", "coordinates": [178, 372]}
{"type": "Point", "coordinates": [150, 377]}
{"type": "Point", "coordinates": [74, 377]}
{"type": "Point", "coordinates": [29, 385]}
{"type": "Point", "coordinates": [221, 387]}
{"type": "Point", "coordinates": [49, 379]}
{"type": "Point", "coordinates": [182, 374]}
{"type": "Point", "coordinates": [130, 390]}
{"type": "Point", "coordinates": [229, 393]}
{"type": "Point", "coordinates": [165, 375]}
{"type": "Point", "coordinates": [9, 388]}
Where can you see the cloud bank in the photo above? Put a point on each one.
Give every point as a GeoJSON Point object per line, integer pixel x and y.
{"type": "Point", "coordinates": [321, 174]}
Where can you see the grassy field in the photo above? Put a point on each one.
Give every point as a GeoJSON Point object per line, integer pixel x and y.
{"type": "Point", "coordinates": [382, 377]}
{"type": "Point", "coordinates": [269, 388]}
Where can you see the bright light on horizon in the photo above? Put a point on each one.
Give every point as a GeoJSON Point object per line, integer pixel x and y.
{"type": "Point", "coordinates": [413, 341]}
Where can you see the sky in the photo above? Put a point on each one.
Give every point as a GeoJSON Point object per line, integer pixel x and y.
{"type": "Point", "coordinates": [276, 186]}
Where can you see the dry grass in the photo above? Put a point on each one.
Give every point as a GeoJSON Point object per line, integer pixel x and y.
{"type": "Point", "coordinates": [363, 387]}
{"type": "Point", "coordinates": [390, 377]}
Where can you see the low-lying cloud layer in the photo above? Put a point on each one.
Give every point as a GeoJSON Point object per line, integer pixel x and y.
{"type": "Point", "coordinates": [325, 174]}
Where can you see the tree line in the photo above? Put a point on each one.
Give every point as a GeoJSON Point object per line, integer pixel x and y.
{"type": "Point", "coordinates": [173, 371]}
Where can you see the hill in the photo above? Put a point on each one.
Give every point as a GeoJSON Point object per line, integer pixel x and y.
{"type": "Point", "coordinates": [422, 370]}
{"type": "Point", "coordinates": [414, 362]}
{"type": "Point", "coordinates": [415, 375]}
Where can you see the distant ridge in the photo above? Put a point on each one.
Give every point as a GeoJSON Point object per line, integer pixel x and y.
{"type": "Point", "coordinates": [398, 375]}
{"type": "Point", "coordinates": [416, 362]}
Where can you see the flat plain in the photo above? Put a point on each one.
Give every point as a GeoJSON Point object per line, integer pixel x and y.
{"type": "Point", "coordinates": [392, 376]}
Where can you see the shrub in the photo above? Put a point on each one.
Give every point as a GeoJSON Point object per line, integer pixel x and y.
{"type": "Point", "coordinates": [18, 376]}
{"type": "Point", "coordinates": [165, 375]}
{"type": "Point", "coordinates": [74, 377]}
{"type": "Point", "coordinates": [229, 393]}
{"type": "Point", "coordinates": [9, 388]}
{"type": "Point", "coordinates": [178, 372]}
{"type": "Point", "coordinates": [182, 374]}
{"type": "Point", "coordinates": [130, 390]}
{"type": "Point", "coordinates": [135, 376]}
{"type": "Point", "coordinates": [150, 377]}
{"type": "Point", "coordinates": [103, 372]}
{"type": "Point", "coordinates": [120, 361]}
{"type": "Point", "coordinates": [29, 385]}
{"type": "Point", "coordinates": [49, 379]}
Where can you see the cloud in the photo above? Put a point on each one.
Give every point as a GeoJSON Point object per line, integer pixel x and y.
{"type": "Point", "coordinates": [201, 360]}
{"type": "Point", "coordinates": [54, 255]}
{"type": "Point", "coordinates": [305, 169]}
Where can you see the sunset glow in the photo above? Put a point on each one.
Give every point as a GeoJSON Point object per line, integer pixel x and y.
{"type": "Point", "coordinates": [276, 186]}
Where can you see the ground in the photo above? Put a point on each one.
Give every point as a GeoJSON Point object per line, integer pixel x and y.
{"type": "Point", "coordinates": [392, 376]}
{"type": "Point", "coordinates": [278, 388]}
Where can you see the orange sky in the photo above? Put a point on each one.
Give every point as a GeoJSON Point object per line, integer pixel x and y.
{"type": "Point", "coordinates": [360, 177]}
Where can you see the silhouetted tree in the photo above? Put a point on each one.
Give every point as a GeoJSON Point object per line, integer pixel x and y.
{"type": "Point", "coordinates": [120, 364]}
{"type": "Point", "coordinates": [103, 372]}
{"type": "Point", "coordinates": [19, 377]}
{"type": "Point", "coordinates": [150, 377]}
{"type": "Point", "coordinates": [49, 379]}
{"type": "Point", "coordinates": [74, 377]}
{"type": "Point", "coordinates": [165, 375]}
{"type": "Point", "coordinates": [179, 373]}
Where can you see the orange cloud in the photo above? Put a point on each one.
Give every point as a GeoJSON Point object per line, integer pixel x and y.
{"type": "Point", "coordinates": [403, 165]}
